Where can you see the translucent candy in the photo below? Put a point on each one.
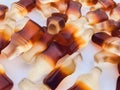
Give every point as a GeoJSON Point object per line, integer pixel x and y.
{"type": "Point", "coordinates": [44, 39]}
{"type": "Point", "coordinates": [104, 40]}
{"type": "Point", "coordinates": [20, 41]}
{"type": "Point", "coordinates": [96, 16]}
{"type": "Point", "coordinates": [115, 13]}
{"type": "Point", "coordinates": [48, 58]}
{"type": "Point", "coordinates": [17, 12]}
{"type": "Point", "coordinates": [61, 5]}
{"type": "Point", "coordinates": [66, 68]}
{"type": "Point", "coordinates": [3, 10]}
{"type": "Point", "coordinates": [88, 81]}
{"type": "Point", "coordinates": [5, 81]}
{"type": "Point", "coordinates": [118, 84]}
{"type": "Point", "coordinates": [28, 5]}
{"type": "Point", "coordinates": [116, 33]}
{"type": "Point", "coordinates": [20, 9]}
{"type": "Point", "coordinates": [56, 23]}
{"type": "Point", "coordinates": [106, 56]}
{"type": "Point", "coordinates": [107, 4]}
{"type": "Point", "coordinates": [46, 9]}
{"type": "Point", "coordinates": [107, 26]}
{"type": "Point", "coordinates": [73, 10]}
{"type": "Point", "coordinates": [41, 67]}
{"type": "Point", "coordinates": [26, 84]}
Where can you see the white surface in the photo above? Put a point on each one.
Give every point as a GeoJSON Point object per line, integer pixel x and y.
{"type": "Point", "coordinates": [17, 69]}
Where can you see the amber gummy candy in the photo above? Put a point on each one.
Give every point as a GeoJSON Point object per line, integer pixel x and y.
{"type": "Point", "coordinates": [28, 4]}
{"type": "Point", "coordinates": [3, 10]}
{"type": "Point", "coordinates": [46, 61]}
{"type": "Point", "coordinates": [67, 67]}
{"type": "Point", "coordinates": [107, 26]}
{"type": "Point", "coordinates": [55, 51]}
{"type": "Point", "coordinates": [73, 10]}
{"type": "Point", "coordinates": [116, 33]}
{"type": "Point", "coordinates": [5, 82]}
{"type": "Point", "coordinates": [118, 84]}
{"type": "Point", "coordinates": [99, 38]}
{"type": "Point", "coordinates": [56, 23]}
{"type": "Point", "coordinates": [107, 4]}
{"type": "Point", "coordinates": [40, 42]}
{"type": "Point", "coordinates": [115, 12]}
{"type": "Point", "coordinates": [107, 42]}
{"type": "Point", "coordinates": [106, 56]}
{"type": "Point", "coordinates": [96, 16]}
{"type": "Point", "coordinates": [88, 81]}
{"type": "Point", "coordinates": [20, 41]}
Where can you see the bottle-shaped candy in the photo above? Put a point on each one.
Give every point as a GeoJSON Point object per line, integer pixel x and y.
{"type": "Point", "coordinates": [61, 5]}
{"type": "Point", "coordinates": [96, 16]}
{"type": "Point", "coordinates": [67, 67]}
{"type": "Point", "coordinates": [107, 4]}
{"type": "Point", "coordinates": [56, 23]}
{"type": "Point", "coordinates": [20, 41]}
{"type": "Point", "coordinates": [74, 32]}
{"type": "Point", "coordinates": [107, 26]}
{"type": "Point", "coordinates": [114, 14]}
{"type": "Point", "coordinates": [46, 61]}
{"type": "Point", "coordinates": [66, 42]}
{"type": "Point", "coordinates": [106, 56]}
{"type": "Point", "coordinates": [73, 10]}
{"type": "Point", "coordinates": [46, 8]}
{"type": "Point", "coordinates": [17, 12]}
{"type": "Point", "coordinates": [26, 84]}
{"type": "Point", "coordinates": [5, 82]}
{"type": "Point", "coordinates": [107, 42]}
{"type": "Point", "coordinates": [40, 42]}
{"type": "Point", "coordinates": [118, 84]}
{"type": "Point", "coordinates": [20, 9]}
{"type": "Point", "coordinates": [72, 38]}
{"type": "Point", "coordinates": [89, 81]}
{"type": "Point", "coordinates": [3, 10]}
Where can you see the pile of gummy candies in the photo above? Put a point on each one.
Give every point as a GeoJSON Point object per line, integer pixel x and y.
{"type": "Point", "coordinates": [55, 49]}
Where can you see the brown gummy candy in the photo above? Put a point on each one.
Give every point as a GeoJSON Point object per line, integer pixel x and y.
{"type": "Point", "coordinates": [96, 16]}
{"type": "Point", "coordinates": [100, 37]}
{"type": "Point", "coordinates": [55, 51]}
{"type": "Point", "coordinates": [116, 33]}
{"type": "Point", "coordinates": [28, 4]}
{"type": "Point", "coordinates": [54, 78]}
{"type": "Point", "coordinates": [5, 82]}
{"type": "Point", "coordinates": [56, 23]}
{"type": "Point", "coordinates": [74, 8]}
{"type": "Point", "coordinates": [107, 4]}
{"type": "Point", "coordinates": [29, 30]}
{"type": "Point", "coordinates": [3, 10]}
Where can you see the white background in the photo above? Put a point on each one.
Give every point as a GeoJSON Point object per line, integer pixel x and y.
{"type": "Point", "coordinates": [17, 69]}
